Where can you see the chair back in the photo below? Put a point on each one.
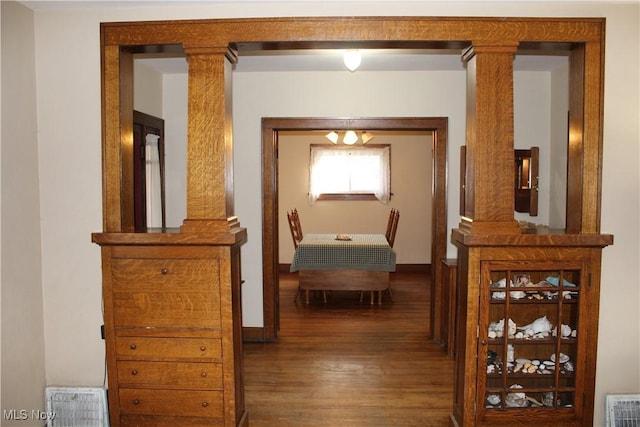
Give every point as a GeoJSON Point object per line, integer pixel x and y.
{"type": "Point", "coordinates": [392, 226]}
{"type": "Point", "coordinates": [296, 218]}
{"type": "Point", "coordinates": [294, 225]}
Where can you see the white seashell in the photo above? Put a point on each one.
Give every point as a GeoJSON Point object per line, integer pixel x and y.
{"type": "Point", "coordinates": [574, 333]}
{"type": "Point", "coordinates": [502, 283]}
{"type": "Point", "coordinates": [535, 362]}
{"type": "Point", "coordinates": [518, 294]}
{"type": "Point", "coordinates": [541, 324]}
{"type": "Point", "coordinates": [492, 334]}
{"type": "Point", "coordinates": [519, 335]}
{"type": "Point", "coordinates": [563, 358]}
{"type": "Point", "coordinates": [568, 366]}
{"type": "Point", "coordinates": [516, 400]}
{"type": "Point", "coordinates": [493, 399]}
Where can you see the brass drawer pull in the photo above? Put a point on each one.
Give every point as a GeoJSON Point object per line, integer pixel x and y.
{"type": "Point", "coordinates": [133, 346]}
{"type": "Point", "coordinates": [164, 271]}
{"type": "Point", "coordinates": [136, 401]}
{"type": "Point", "coordinates": [203, 374]}
{"type": "Point", "coordinates": [203, 347]}
{"type": "Point", "coordinates": [134, 372]}
{"type": "Point", "coordinates": [205, 404]}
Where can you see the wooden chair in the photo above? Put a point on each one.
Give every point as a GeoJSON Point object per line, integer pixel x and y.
{"type": "Point", "coordinates": [296, 234]}
{"type": "Point", "coordinates": [392, 227]}
{"type": "Point", "coordinates": [392, 215]}
{"type": "Point", "coordinates": [294, 226]}
{"type": "Point", "coordinates": [391, 237]}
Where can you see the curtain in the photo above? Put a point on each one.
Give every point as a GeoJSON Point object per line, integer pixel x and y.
{"type": "Point", "coordinates": [362, 170]}
{"type": "Point", "coordinates": [153, 189]}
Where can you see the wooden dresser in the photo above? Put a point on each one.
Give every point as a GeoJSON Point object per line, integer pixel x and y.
{"type": "Point", "coordinates": [173, 330]}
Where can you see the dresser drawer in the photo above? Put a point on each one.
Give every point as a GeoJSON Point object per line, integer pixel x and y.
{"type": "Point", "coordinates": [165, 292]}
{"type": "Point", "coordinates": [153, 272]}
{"type": "Point", "coordinates": [163, 349]}
{"type": "Point", "coordinates": [173, 374]}
{"type": "Point", "coordinates": [184, 403]}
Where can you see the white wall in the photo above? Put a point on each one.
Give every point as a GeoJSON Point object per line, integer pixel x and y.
{"type": "Point", "coordinates": [147, 89]}
{"type": "Point", "coordinates": [531, 114]}
{"type": "Point", "coordinates": [22, 345]}
{"type": "Point", "coordinates": [557, 183]}
{"type": "Point", "coordinates": [68, 107]}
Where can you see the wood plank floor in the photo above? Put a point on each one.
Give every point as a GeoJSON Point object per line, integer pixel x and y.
{"type": "Point", "coordinates": [350, 364]}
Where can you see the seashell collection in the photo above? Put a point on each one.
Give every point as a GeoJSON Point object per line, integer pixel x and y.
{"type": "Point", "coordinates": [505, 359]}
{"type": "Point", "coordinates": [519, 399]}
{"type": "Point", "coordinates": [525, 282]}
{"type": "Point", "coordinates": [522, 365]}
{"type": "Point", "coordinates": [539, 328]}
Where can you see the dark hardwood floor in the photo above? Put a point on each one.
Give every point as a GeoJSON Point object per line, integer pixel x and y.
{"type": "Point", "coordinates": [350, 364]}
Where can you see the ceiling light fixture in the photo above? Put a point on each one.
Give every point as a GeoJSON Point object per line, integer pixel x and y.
{"type": "Point", "coordinates": [366, 137]}
{"type": "Point", "coordinates": [352, 59]}
{"type": "Point", "coordinates": [350, 137]}
{"type": "Point", "coordinates": [333, 136]}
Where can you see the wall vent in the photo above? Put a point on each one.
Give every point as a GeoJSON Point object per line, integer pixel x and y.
{"type": "Point", "coordinates": [623, 410]}
{"type": "Point", "coordinates": [76, 407]}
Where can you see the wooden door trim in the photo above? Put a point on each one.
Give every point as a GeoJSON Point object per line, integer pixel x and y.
{"type": "Point", "coordinates": [270, 248]}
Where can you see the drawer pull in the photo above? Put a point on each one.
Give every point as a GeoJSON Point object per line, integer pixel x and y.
{"type": "Point", "coordinates": [134, 372]}
{"type": "Point", "coordinates": [205, 404]}
{"type": "Point", "coordinates": [203, 347]}
{"type": "Point", "coordinates": [203, 374]}
{"type": "Point", "coordinates": [133, 347]}
{"type": "Point", "coordinates": [136, 401]}
{"type": "Point", "coordinates": [164, 271]}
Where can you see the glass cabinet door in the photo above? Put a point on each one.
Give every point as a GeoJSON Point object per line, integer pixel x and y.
{"type": "Point", "coordinates": [528, 335]}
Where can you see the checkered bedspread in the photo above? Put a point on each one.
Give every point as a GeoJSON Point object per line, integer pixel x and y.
{"type": "Point", "coordinates": [362, 252]}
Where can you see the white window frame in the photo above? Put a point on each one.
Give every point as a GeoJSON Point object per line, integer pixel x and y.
{"type": "Point", "coordinates": [331, 179]}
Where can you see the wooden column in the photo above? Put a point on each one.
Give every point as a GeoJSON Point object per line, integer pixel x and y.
{"type": "Point", "coordinates": [209, 141]}
{"type": "Point", "coordinates": [489, 198]}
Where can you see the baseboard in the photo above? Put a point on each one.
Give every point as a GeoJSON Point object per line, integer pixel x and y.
{"type": "Point", "coordinates": [253, 334]}
{"type": "Point", "coordinates": [400, 268]}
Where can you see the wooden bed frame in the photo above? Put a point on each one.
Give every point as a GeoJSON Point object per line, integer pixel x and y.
{"type": "Point", "coordinates": [344, 280]}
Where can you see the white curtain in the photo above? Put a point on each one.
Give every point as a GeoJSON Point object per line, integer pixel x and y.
{"type": "Point", "coordinates": [153, 190]}
{"type": "Point", "coordinates": [349, 171]}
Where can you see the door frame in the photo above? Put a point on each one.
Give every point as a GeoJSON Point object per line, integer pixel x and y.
{"type": "Point", "coordinates": [270, 230]}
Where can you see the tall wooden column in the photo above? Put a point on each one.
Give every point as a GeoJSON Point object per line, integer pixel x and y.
{"type": "Point", "coordinates": [209, 142]}
{"type": "Point", "coordinates": [489, 197]}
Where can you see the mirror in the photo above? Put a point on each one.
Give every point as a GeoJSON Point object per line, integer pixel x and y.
{"type": "Point", "coordinates": [526, 180]}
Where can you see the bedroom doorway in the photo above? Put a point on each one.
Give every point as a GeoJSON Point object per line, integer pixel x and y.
{"type": "Point", "coordinates": [270, 229]}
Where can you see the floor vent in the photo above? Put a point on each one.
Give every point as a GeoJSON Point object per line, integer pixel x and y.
{"type": "Point", "coordinates": [623, 410]}
{"type": "Point", "coordinates": [76, 407]}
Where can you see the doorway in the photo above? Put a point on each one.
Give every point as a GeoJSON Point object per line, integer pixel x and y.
{"type": "Point", "coordinates": [270, 245]}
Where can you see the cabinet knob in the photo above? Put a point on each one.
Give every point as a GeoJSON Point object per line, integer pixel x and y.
{"type": "Point", "coordinates": [134, 372]}
{"type": "Point", "coordinates": [203, 347]}
{"type": "Point", "coordinates": [164, 271]}
{"type": "Point", "coordinates": [205, 404]}
{"type": "Point", "coordinates": [203, 374]}
{"type": "Point", "coordinates": [136, 402]}
{"type": "Point", "coordinates": [483, 342]}
{"type": "Point", "coordinates": [133, 347]}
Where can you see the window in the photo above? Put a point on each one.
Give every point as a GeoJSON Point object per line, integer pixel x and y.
{"type": "Point", "coordinates": [350, 173]}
